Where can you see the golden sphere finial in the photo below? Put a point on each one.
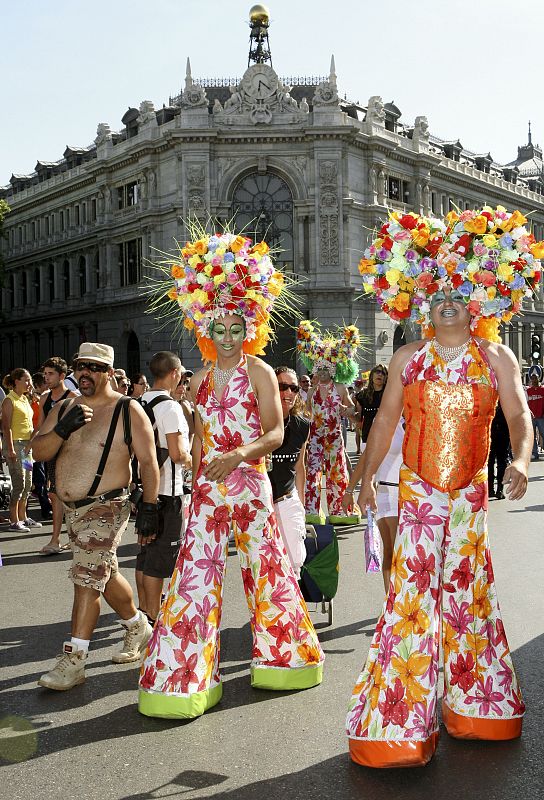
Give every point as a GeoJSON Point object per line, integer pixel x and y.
{"type": "Point", "coordinates": [259, 14]}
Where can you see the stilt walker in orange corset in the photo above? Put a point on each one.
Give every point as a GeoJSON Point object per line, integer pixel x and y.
{"type": "Point", "coordinates": [464, 275]}
{"type": "Point", "coordinates": [331, 358]}
{"type": "Point", "coordinates": [227, 287]}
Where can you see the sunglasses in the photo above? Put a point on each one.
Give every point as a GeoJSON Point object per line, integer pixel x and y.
{"type": "Point", "coordinates": [285, 386]}
{"type": "Point", "coordinates": [92, 366]}
{"type": "Point", "coordinates": [378, 372]}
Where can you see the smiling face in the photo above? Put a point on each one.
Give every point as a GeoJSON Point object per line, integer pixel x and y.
{"type": "Point", "coordinates": [449, 310]}
{"type": "Point", "coordinates": [228, 334]}
{"type": "Point", "coordinates": [23, 384]}
{"type": "Point", "coordinates": [288, 385]}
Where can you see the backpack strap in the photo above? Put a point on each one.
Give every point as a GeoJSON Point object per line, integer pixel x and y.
{"type": "Point", "coordinates": [63, 406]}
{"type": "Point", "coordinates": [127, 423]}
{"type": "Point", "coordinates": [107, 447]}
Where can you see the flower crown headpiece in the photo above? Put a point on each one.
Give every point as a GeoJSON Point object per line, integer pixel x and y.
{"type": "Point", "coordinates": [223, 273]}
{"type": "Point", "coordinates": [335, 351]}
{"type": "Point", "coordinates": [487, 255]}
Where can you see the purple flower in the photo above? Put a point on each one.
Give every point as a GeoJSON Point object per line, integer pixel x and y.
{"type": "Point", "coordinates": [465, 288]}
{"type": "Point", "coordinates": [383, 254]}
{"type": "Point", "coordinates": [426, 263]}
{"type": "Point", "coordinates": [410, 255]}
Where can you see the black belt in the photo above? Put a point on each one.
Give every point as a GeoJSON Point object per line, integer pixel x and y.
{"type": "Point", "coordinates": [285, 496]}
{"type": "Point", "coordinates": [386, 483]}
{"type": "Point", "coordinates": [102, 497]}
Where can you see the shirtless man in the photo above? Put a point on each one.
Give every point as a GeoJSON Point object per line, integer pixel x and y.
{"type": "Point", "coordinates": [54, 371]}
{"type": "Point", "coordinates": [97, 519]}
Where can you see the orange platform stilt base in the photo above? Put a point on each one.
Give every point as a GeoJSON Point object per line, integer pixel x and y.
{"type": "Point", "coordinates": [390, 754]}
{"type": "Point", "coordinates": [479, 728]}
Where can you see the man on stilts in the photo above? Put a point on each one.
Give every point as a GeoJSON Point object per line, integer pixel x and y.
{"type": "Point", "coordinates": [468, 273]}
{"type": "Point", "coordinates": [227, 287]}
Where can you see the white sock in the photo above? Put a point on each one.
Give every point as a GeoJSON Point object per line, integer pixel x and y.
{"type": "Point", "coordinates": [132, 620]}
{"type": "Point", "coordinates": [80, 644]}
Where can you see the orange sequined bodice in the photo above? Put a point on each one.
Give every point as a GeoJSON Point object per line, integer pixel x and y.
{"type": "Point", "coordinates": [448, 408]}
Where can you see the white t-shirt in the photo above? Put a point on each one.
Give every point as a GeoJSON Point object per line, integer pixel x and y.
{"type": "Point", "coordinates": [170, 419]}
{"type": "Point", "coordinates": [390, 467]}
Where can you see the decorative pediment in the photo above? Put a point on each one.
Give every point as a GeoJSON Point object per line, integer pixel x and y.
{"type": "Point", "coordinates": [260, 97]}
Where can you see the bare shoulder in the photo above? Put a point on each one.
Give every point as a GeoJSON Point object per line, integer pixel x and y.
{"type": "Point", "coordinates": [403, 355]}
{"type": "Point", "coordinates": [197, 379]}
{"type": "Point", "coordinates": [257, 366]}
{"type": "Point", "coordinates": [500, 356]}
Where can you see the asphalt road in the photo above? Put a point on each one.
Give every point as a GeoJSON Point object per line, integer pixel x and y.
{"type": "Point", "coordinates": [91, 742]}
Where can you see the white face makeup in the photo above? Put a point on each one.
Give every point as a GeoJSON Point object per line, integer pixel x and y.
{"type": "Point", "coordinates": [449, 309]}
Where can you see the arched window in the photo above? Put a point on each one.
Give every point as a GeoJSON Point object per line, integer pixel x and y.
{"type": "Point", "coordinates": [262, 206]}
{"type": "Point", "coordinates": [82, 276]}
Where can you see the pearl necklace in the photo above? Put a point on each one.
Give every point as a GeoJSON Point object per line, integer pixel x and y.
{"type": "Point", "coordinates": [448, 354]}
{"type": "Point", "coordinates": [222, 376]}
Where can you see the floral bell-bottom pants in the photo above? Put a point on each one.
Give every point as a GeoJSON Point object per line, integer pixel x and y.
{"type": "Point", "coordinates": [442, 587]}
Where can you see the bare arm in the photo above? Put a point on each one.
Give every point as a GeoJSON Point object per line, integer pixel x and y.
{"type": "Point", "coordinates": [196, 450]}
{"type": "Point", "coordinates": [516, 411]}
{"type": "Point", "coordinates": [266, 389]}
{"type": "Point", "coordinates": [143, 443]}
{"type": "Point", "coordinates": [300, 474]}
{"type": "Point", "coordinates": [177, 451]}
{"type": "Point", "coordinates": [7, 414]}
{"type": "Point", "coordinates": [307, 405]}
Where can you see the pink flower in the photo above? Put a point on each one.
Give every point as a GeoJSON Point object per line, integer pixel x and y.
{"type": "Point", "coordinates": [486, 698]}
{"type": "Point", "coordinates": [422, 567]}
{"type": "Point", "coordinates": [478, 498]}
{"type": "Point", "coordinates": [185, 630]}
{"type": "Point", "coordinates": [213, 564]}
{"type": "Point", "coordinates": [420, 520]}
{"type": "Point", "coordinates": [458, 617]}
{"type": "Point", "coordinates": [185, 675]}
{"type": "Point", "coordinates": [463, 575]}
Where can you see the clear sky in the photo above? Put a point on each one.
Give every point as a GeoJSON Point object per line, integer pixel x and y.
{"type": "Point", "coordinates": [473, 67]}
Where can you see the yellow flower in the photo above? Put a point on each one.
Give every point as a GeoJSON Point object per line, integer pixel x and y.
{"type": "Point", "coordinates": [208, 660]}
{"type": "Point", "coordinates": [412, 617]}
{"type": "Point", "coordinates": [188, 250]}
{"type": "Point", "coordinates": [517, 295]}
{"type": "Point", "coordinates": [516, 220]}
{"type": "Point", "coordinates": [392, 276]}
{"type": "Point", "coordinates": [194, 260]}
{"type": "Point", "coordinates": [378, 683]}
{"type": "Point", "coordinates": [476, 643]}
{"type": "Point", "coordinates": [173, 293]}
{"type": "Point", "coordinates": [489, 240]}
{"type": "Point", "coordinates": [452, 217]}
{"type": "Point", "coordinates": [408, 672]}
{"type": "Point", "coordinates": [217, 279]}
{"type": "Point", "coordinates": [491, 292]}
{"type": "Point", "coordinates": [421, 236]}
{"type": "Point", "coordinates": [208, 270]}
{"type": "Point", "coordinates": [406, 283]}
{"type": "Point", "coordinates": [200, 296]}
{"type": "Point", "coordinates": [505, 271]}
{"type": "Point", "coordinates": [476, 225]}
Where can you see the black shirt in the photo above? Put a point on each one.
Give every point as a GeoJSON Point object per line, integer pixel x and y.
{"type": "Point", "coordinates": [282, 475]}
{"type": "Point", "coordinates": [49, 402]}
{"type": "Point", "coordinates": [368, 411]}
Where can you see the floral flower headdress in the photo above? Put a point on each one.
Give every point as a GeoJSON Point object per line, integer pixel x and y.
{"type": "Point", "coordinates": [218, 274]}
{"type": "Point", "coordinates": [487, 255]}
{"type": "Point", "coordinates": [335, 351]}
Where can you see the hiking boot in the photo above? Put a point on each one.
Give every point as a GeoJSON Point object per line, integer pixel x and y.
{"type": "Point", "coordinates": [135, 641]}
{"type": "Point", "coordinates": [69, 671]}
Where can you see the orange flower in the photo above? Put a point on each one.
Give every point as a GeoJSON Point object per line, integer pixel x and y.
{"type": "Point", "coordinates": [537, 249]}
{"type": "Point", "coordinates": [450, 640]}
{"type": "Point", "coordinates": [452, 217]}
{"type": "Point", "coordinates": [477, 644]}
{"type": "Point", "coordinates": [421, 236]}
{"type": "Point", "coordinates": [516, 220]}
{"type": "Point", "coordinates": [173, 293]}
{"type": "Point", "coordinates": [476, 225]}
{"type": "Point", "coordinates": [310, 655]}
{"type": "Point", "coordinates": [481, 607]}
{"type": "Point", "coordinates": [378, 683]}
{"type": "Point", "coordinates": [177, 271]}
{"type": "Point", "coordinates": [261, 248]}
{"type": "Point", "coordinates": [408, 672]}
{"type": "Point", "coordinates": [475, 547]}
{"type": "Point", "coordinates": [366, 266]}
{"type": "Point", "coordinates": [413, 618]}
{"type": "Point", "coordinates": [401, 301]}
{"type": "Point", "coordinates": [237, 244]}
{"type": "Point", "coordinates": [398, 572]}
{"type": "Point", "coordinates": [201, 247]}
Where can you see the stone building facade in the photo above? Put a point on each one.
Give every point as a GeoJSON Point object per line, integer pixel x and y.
{"type": "Point", "coordinates": [289, 159]}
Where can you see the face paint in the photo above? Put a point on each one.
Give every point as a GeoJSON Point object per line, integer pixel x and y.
{"type": "Point", "coordinates": [454, 296]}
{"type": "Point", "coordinates": [228, 338]}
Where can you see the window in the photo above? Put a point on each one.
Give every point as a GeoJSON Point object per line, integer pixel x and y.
{"type": "Point", "coordinates": [65, 280]}
{"type": "Point", "coordinates": [37, 287]}
{"type": "Point", "coordinates": [46, 220]}
{"type": "Point", "coordinates": [130, 262]}
{"type": "Point", "coordinates": [97, 271]}
{"type": "Point", "coordinates": [93, 210]}
{"type": "Point", "coordinates": [77, 215]}
{"type": "Point", "coordinates": [262, 205]}
{"type": "Point", "coordinates": [398, 190]}
{"type": "Point", "coordinates": [62, 220]}
{"type": "Point", "coordinates": [82, 276]}
{"type": "Point", "coordinates": [128, 195]}
{"type": "Point", "coordinates": [50, 283]}
{"type": "Point", "coordinates": [24, 288]}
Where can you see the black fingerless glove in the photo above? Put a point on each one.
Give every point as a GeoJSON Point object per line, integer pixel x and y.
{"type": "Point", "coordinates": [147, 519]}
{"type": "Point", "coordinates": [71, 421]}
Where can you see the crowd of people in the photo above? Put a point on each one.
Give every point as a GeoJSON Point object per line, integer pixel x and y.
{"type": "Point", "coordinates": [259, 445]}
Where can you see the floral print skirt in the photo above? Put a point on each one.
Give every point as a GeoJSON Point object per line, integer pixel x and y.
{"type": "Point", "coordinates": [442, 590]}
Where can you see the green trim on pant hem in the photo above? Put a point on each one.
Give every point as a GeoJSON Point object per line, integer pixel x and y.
{"type": "Point", "coordinates": [172, 706]}
{"type": "Point", "coordinates": [315, 519]}
{"type": "Point", "coordinates": [280, 679]}
{"type": "Point", "coordinates": [354, 519]}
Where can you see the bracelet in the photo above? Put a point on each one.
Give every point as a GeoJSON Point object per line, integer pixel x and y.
{"type": "Point", "coordinates": [348, 491]}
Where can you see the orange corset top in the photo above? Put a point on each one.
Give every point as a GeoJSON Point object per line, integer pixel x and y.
{"type": "Point", "coordinates": [447, 431]}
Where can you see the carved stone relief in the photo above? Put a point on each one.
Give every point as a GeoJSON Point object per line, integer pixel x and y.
{"type": "Point", "coordinates": [328, 213]}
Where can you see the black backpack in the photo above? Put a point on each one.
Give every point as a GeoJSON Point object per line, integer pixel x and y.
{"type": "Point", "coordinates": [162, 452]}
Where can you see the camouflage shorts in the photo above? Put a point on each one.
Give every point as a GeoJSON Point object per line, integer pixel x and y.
{"type": "Point", "coordinates": [95, 532]}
